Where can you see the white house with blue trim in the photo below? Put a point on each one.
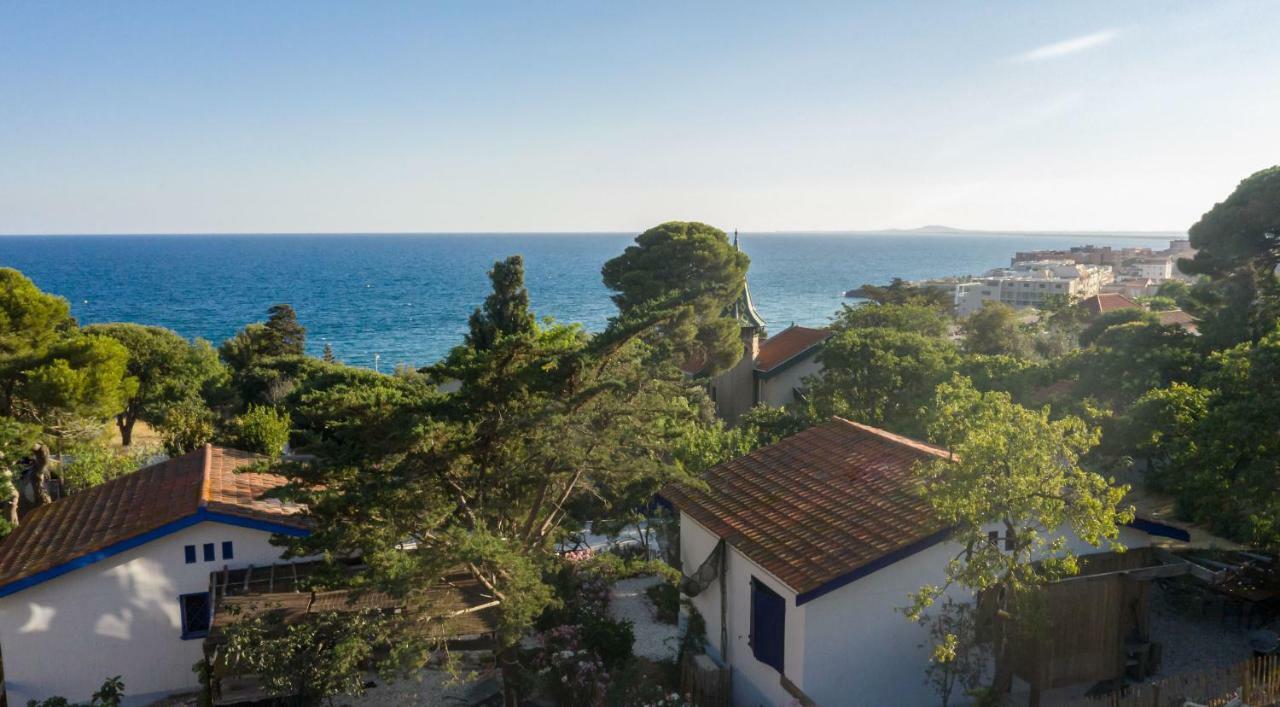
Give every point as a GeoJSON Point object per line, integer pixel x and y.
{"type": "Point", "coordinates": [801, 555]}
{"type": "Point", "coordinates": [115, 580]}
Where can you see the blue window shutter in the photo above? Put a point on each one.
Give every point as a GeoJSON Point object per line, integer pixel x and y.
{"type": "Point", "coordinates": [190, 551]}
{"type": "Point", "coordinates": [768, 625]}
{"type": "Point", "coordinates": [228, 552]}
{"type": "Point", "coordinates": [208, 552]}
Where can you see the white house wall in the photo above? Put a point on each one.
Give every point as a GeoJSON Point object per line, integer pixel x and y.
{"type": "Point", "coordinates": [778, 390]}
{"type": "Point", "coordinates": [862, 650]}
{"type": "Point", "coordinates": [754, 683]}
{"type": "Point", "coordinates": [118, 616]}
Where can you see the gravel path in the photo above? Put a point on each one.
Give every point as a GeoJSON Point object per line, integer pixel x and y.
{"type": "Point", "coordinates": [654, 640]}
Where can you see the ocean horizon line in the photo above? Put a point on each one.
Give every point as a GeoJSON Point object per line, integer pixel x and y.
{"type": "Point", "coordinates": [542, 233]}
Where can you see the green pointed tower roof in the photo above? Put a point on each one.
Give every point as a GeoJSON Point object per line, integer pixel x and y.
{"type": "Point", "coordinates": [744, 310]}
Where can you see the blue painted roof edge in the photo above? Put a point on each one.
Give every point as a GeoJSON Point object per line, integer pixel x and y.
{"type": "Point", "coordinates": [200, 516]}
{"type": "Point", "coordinates": [1155, 527]}
{"type": "Point", "coordinates": [1150, 527]}
{"type": "Point", "coordinates": [875, 565]}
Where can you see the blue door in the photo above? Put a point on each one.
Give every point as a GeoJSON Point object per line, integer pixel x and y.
{"type": "Point", "coordinates": [768, 625]}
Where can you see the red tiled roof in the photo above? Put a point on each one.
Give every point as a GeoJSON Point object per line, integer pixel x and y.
{"type": "Point", "coordinates": [787, 344]}
{"type": "Point", "coordinates": [1107, 302]}
{"type": "Point", "coordinates": [1177, 317]}
{"type": "Point", "coordinates": [126, 507]}
{"type": "Point", "coordinates": [819, 504]}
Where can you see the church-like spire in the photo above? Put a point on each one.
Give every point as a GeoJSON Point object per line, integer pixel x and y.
{"type": "Point", "coordinates": [744, 310]}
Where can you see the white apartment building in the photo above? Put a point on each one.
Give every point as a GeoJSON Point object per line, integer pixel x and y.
{"type": "Point", "coordinates": [1030, 284]}
{"type": "Point", "coordinates": [1155, 268]}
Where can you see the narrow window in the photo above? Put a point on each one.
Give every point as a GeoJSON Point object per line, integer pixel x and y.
{"type": "Point", "coordinates": [196, 614]}
{"type": "Point", "coordinates": [228, 552]}
{"type": "Point", "coordinates": [993, 537]}
{"type": "Point", "coordinates": [768, 625]}
{"type": "Point", "coordinates": [208, 552]}
{"type": "Point", "coordinates": [190, 550]}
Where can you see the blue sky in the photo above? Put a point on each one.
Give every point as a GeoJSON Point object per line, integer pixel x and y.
{"type": "Point", "coordinates": [161, 117]}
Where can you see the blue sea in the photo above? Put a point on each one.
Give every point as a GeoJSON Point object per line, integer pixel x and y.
{"type": "Point", "coordinates": [406, 298]}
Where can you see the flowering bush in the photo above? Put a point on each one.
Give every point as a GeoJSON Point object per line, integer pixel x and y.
{"type": "Point", "coordinates": [571, 671]}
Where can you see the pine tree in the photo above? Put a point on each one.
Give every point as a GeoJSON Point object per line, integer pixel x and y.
{"type": "Point", "coordinates": [505, 310]}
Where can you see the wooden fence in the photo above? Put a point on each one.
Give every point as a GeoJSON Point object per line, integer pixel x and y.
{"type": "Point", "coordinates": [708, 685]}
{"type": "Point", "coordinates": [1256, 681]}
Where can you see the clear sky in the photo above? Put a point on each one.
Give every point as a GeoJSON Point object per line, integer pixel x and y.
{"type": "Point", "coordinates": [123, 117]}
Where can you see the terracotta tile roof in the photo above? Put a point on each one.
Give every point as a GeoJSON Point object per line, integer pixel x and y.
{"type": "Point", "coordinates": [787, 344]}
{"type": "Point", "coordinates": [818, 505]}
{"type": "Point", "coordinates": [124, 508]}
{"type": "Point", "coordinates": [1177, 317]}
{"type": "Point", "coordinates": [1107, 302]}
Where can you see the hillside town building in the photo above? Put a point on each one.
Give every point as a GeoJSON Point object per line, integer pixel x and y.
{"type": "Point", "coordinates": [1031, 284]}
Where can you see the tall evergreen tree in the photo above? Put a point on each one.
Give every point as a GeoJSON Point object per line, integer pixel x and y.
{"type": "Point", "coordinates": [506, 309]}
{"type": "Point", "coordinates": [544, 419]}
{"type": "Point", "coordinates": [288, 337]}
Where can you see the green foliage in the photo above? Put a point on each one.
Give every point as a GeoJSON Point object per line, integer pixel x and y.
{"type": "Point", "coordinates": [170, 371]}
{"type": "Point", "coordinates": [1217, 446]}
{"type": "Point", "coordinates": [325, 655]}
{"type": "Point", "coordinates": [960, 659]}
{"type": "Point", "coordinates": [1013, 375]}
{"type": "Point", "coordinates": [262, 430]}
{"type": "Point", "coordinates": [1114, 318]}
{"type": "Point", "coordinates": [881, 377]}
{"type": "Point", "coordinates": [541, 424]}
{"type": "Point", "coordinates": [911, 316]}
{"type": "Point", "coordinates": [506, 309]}
{"type": "Point", "coordinates": [89, 464]}
{"type": "Point", "coordinates": [1237, 247]}
{"type": "Point", "coordinates": [109, 695]}
{"type": "Point", "coordinates": [901, 292]}
{"type": "Point", "coordinates": [994, 330]}
{"type": "Point", "coordinates": [55, 380]}
{"type": "Point", "coordinates": [1126, 360]}
{"type": "Point", "coordinates": [678, 282]}
{"type": "Point", "coordinates": [1016, 470]}
{"type": "Point", "coordinates": [281, 336]}
{"type": "Point", "coordinates": [186, 427]}
{"type": "Point", "coordinates": [666, 601]}
{"type": "Point", "coordinates": [703, 445]}
{"type": "Point", "coordinates": [81, 376]}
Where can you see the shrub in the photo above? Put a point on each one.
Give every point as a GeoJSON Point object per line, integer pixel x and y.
{"type": "Point", "coordinates": [108, 695]}
{"type": "Point", "coordinates": [612, 640]}
{"type": "Point", "coordinates": [666, 600]}
{"type": "Point", "coordinates": [263, 430]}
{"type": "Point", "coordinates": [88, 465]}
{"type": "Point", "coordinates": [185, 428]}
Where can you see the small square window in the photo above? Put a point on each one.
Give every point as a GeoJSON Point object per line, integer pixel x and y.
{"type": "Point", "coordinates": [228, 552]}
{"type": "Point", "coordinates": [208, 553]}
{"type": "Point", "coordinates": [197, 613]}
{"type": "Point", "coordinates": [993, 537]}
{"type": "Point", "coordinates": [190, 551]}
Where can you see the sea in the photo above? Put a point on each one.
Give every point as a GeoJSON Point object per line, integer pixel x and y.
{"type": "Point", "coordinates": [384, 300]}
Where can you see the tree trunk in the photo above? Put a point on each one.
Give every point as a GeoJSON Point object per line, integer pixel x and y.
{"type": "Point", "coordinates": [125, 424]}
{"type": "Point", "coordinates": [41, 462]}
{"type": "Point", "coordinates": [508, 661]}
